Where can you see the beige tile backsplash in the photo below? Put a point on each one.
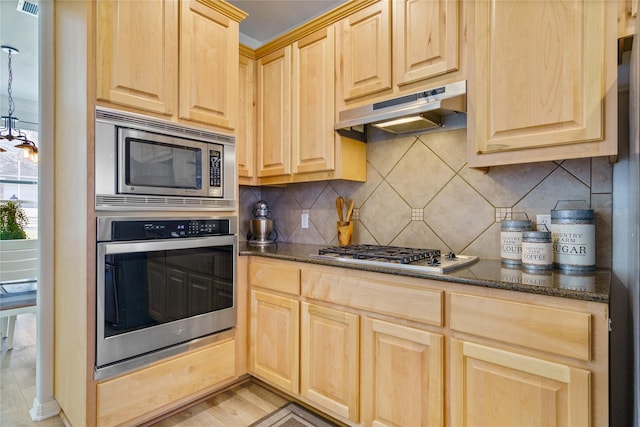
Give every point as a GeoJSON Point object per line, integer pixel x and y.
{"type": "Point", "coordinates": [421, 193]}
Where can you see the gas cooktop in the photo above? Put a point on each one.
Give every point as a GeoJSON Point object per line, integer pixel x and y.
{"type": "Point", "coordinates": [425, 260]}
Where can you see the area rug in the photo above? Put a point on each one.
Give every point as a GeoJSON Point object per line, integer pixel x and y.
{"type": "Point", "coordinates": [292, 415]}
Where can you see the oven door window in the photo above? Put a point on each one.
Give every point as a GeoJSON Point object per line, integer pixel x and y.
{"type": "Point", "coordinates": [145, 289]}
{"type": "Point", "coordinates": [155, 164]}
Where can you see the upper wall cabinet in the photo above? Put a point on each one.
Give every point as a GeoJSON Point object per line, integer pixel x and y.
{"type": "Point", "coordinates": [364, 51]}
{"type": "Point", "coordinates": [138, 66]}
{"type": "Point", "coordinates": [274, 118]}
{"type": "Point", "coordinates": [544, 81]}
{"type": "Point", "coordinates": [391, 48]}
{"type": "Point", "coordinates": [296, 113]}
{"type": "Point", "coordinates": [208, 65]}
{"type": "Point", "coordinates": [425, 39]}
{"type": "Point", "coordinates": [246, 128]}
{"type": "Point", "coordinates": [312, 135]}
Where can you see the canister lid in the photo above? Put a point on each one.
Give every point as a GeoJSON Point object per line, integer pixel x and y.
{"type": "Point", "coordinates": [536, 235]}
{"type": "Point", "coordinates": [518, 224]}
{"type": "Point", "coordinates": [583, 214]}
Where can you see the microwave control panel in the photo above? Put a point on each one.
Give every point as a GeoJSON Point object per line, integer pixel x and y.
{"type": "Point", "coordinates": [215, 172]}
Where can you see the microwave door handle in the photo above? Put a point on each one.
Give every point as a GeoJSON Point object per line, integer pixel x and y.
{"type": "Point", "coordinates": [167, 244]}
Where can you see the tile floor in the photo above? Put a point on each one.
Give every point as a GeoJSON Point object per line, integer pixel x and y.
{"type": "Point", "coordinates": [18, 377]}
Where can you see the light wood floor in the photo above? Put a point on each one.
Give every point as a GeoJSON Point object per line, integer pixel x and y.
{"type": "Point", "coordinates": [18, 376]}
{"type": "Point", "coordinates": [240, 406]}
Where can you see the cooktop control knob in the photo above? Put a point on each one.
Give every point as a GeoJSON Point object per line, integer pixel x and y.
{"type": "Point", "coordinates": [451, 255]}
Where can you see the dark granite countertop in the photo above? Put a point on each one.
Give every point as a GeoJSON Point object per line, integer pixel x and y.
{"type": "Point", "coordinates": [592, 286]}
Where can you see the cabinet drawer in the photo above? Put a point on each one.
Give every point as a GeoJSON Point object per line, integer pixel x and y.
{"type": "Point", "coordinates": [562, 332]}
{"type": "Point", "coordinates": [281, 278]}
{"type": "Point", "coordinates": [130, 396]}
{"type": "Point", "coordinates": [420, 305]}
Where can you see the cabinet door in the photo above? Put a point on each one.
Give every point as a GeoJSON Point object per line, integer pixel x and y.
{"type": "Point", "coordinates": [540, 78]}
{"type": "Point", "coordinates": [274, 113]}
{"type": "Point", "coordinates": [364, 51]}
{"type": "Point", "coordinates": [312, 134]}
{"type": "Point", "coordinates": [425, 39]}
{"type": "Point", "coordinates": [274, 339]}
{"type": "Point", "coordinates": [402, 375]}
{"type": "Point", "coordinates": [245, 131]}
{"type": "Point", "coordinates": [208, 65]}
{"type": "Point", "coordinates": [137, 52]}
{"type": "Point", "coordinates": [496, 387]}
{"type": "Point", "coordinates": [329, 359]}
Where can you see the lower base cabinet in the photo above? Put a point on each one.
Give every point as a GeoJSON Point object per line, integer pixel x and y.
{"type": "Point", "coordinates": [329, 365]}
{"type": "Point", "coordinates": [501, 388]}
{"type": "Point", "coordinates": [377, 350]}
{"type": "Point", "coordinates": [274, 339]}
{"type": "Point", "coordinates": [402, 375]}
{"type": "Point", "coordinates": [134, 397]}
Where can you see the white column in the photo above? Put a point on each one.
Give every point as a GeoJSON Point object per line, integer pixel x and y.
{"type": "Point", "coordinates": [44, 404]}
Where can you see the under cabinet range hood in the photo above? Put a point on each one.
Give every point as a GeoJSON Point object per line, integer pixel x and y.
{"type": "Point", "coordinates": [439, 108]}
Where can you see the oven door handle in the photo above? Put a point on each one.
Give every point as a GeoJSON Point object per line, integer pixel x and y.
{"type": "Point", "coordinates": [108, 248]}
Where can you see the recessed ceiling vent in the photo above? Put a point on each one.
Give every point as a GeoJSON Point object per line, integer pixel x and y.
{"type": "Point", "coordinates": [28, 7]}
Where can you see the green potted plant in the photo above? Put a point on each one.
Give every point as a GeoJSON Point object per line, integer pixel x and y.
{"type": "Point", "coordinates": [13, 220]}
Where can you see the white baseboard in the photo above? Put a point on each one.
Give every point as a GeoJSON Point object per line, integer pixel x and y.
{"type": "Point", "coordinates": [42, 411]}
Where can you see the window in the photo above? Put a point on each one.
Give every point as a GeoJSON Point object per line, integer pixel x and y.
{"type": "Point", "coordinates": [19, 181]}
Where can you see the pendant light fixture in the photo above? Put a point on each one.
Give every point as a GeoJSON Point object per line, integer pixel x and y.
{"type": "Point", "coordinates": [9, 130]}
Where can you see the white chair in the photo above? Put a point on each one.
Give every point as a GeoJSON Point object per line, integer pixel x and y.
{"type": "Point", "coordinates": [18, 268]}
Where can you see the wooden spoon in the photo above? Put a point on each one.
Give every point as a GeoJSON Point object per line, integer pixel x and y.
{"type": "Point", "coordinates": [340, 207]}
{"type": "Point", "coordinates": [349, 211]}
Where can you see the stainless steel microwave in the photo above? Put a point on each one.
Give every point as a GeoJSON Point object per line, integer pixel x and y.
{"type": "Point", "coordinates": [148, 164]}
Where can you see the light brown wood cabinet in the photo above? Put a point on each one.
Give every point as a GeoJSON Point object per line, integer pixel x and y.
{"type": "Point", "coordinates": [274, 325]}
{"type": "Point", "coordinates": [329, 359]}
{"type": "Point", "coordinates": [181, 64]}
{"type": "Point", "coordinates": [425, 39]}
{"type": "Point", "coordinates": [435, 353]}
{"type": "Point", "coordinates": [137, 64]}
{"type": "Point", "coordinates": [246, 128]}
{"type": "Point", "coordinates": [390, 48]}
{"type": "Point", "coordinates": [402, 375]}
{"type": "Point", "coordinates": [296, 113]}
{"type": "Point", "coordinates": [496, 387]}
{"type": "Point", "coordinates": [137, 396]}
{"type": "Point", "coordinates": [543, 85]}
{"type": "Point", "coordinates": [274, 114]}
{"type": "Point", "coordinates": [274, 343]}
{"type": "Point", "coordinates": [364, 51]}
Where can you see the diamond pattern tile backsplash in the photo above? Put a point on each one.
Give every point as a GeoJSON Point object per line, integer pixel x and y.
{"type": "Point", "coordinates": [421, 193]}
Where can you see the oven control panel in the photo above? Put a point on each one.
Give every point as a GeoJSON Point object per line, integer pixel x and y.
{"type": "Point", "coordinates": [168, 229]}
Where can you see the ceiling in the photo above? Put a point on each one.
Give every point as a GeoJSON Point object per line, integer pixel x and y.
{"type": "Point", "coordinates": [270, 18]}
{"type": "Point", "coordinates": [267, 20]}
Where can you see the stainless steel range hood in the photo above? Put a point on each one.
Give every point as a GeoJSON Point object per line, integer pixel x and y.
{"type": "Point", "coordinates": [439, 108]}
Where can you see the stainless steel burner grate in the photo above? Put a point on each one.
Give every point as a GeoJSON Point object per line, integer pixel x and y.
{"type": "Point", "coordinates": [388, 253]}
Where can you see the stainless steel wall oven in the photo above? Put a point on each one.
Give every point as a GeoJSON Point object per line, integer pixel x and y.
{"type": "Point", "coordinates": [162, 285]}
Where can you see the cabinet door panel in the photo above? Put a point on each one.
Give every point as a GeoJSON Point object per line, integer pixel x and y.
{"type": "Point", "coordinates": [274, 344]}
{"type": "Point", "coordinates": [402, 375]}
{"type": "Point", "coordinates": [495, 387]}
{"type": "Point", "coordinates": [208, 66]}
{"type": "Point", "coordinates": [364, 40]}
{"type": "Point", "coordinates": [274, 113]}
{"type": "Point", "coordinates": [245, 130]}
{"type": "Point", "coordinates": [142, 74]}
{"type": "Point", "coordinates": [539, 74]}
{"type": "Point", "coordinates": [313, 103]}
{"type": "Point", "coordinates": [425, 39]}
{"type": "Point", "coordinates": [329, 359]}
